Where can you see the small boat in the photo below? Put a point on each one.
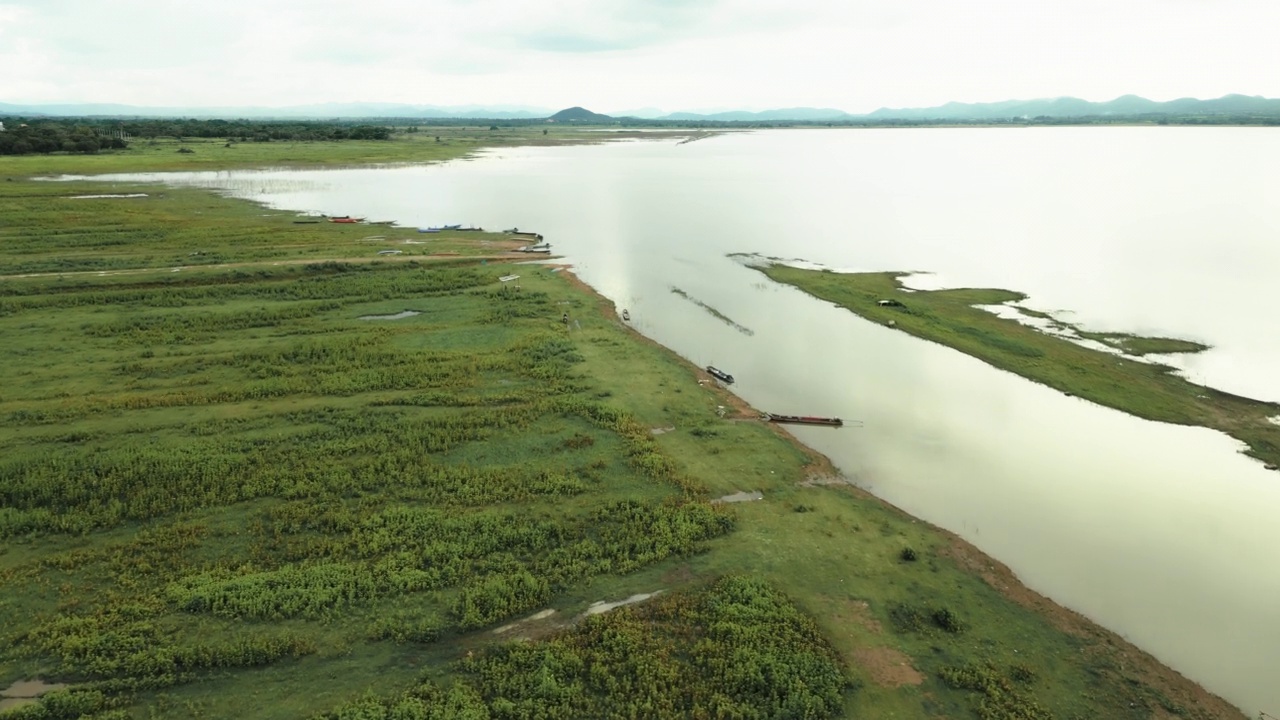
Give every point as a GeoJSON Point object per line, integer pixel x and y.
{"type": "Point", "coordinates": [390, 252]}
{"type": "Point", "coordinates": [470, 229]}
{"type": "Point", "coordinates": [428, 230]}
{"type": "Point", "coordinates": [450, 227]}
{"type": "Point", "coordinates": [625, 315]}
{"type": "Point", "coordinates": [720, 375]}
{"type": "Point", "coordinates": [534, 235]}
{"type": "Point", "coordinates": [345, 219]}
{"type": "Point", "coordinates": [804, 420]}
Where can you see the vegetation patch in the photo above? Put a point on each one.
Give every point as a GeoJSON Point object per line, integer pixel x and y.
{"type": "Point", "coordinates": [739, 648]}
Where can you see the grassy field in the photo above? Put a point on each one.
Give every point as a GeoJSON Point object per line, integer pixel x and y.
{"type": "Point", "coordinates": [1145, 389]}
{"type": "Point", "coordinates": [224, 494]}
{"type": "Point", "coordinates": [430, 144]}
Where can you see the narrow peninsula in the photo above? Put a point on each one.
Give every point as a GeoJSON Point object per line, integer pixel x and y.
{"type": "Point", "coordinates": [1113, 373]}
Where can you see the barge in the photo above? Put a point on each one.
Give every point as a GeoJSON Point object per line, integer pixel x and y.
{"type": "Point", "coordinates": [804, 420]}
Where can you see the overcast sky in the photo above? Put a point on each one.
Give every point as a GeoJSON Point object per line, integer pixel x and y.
{"type": "Point", "coordinates": [615, 55]}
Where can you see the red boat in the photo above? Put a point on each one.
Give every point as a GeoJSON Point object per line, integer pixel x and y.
{"type": "Point", "coordinates": [804, 420]}
{"type": "Point", "coordinates": [346, 219]}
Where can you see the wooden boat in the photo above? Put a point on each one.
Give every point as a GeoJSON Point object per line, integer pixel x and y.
{"type": "Point", "coordinates": [804, 420]}
{"type": "Point", "coordinates": [428, 230]}
{"type": "Point", "coordinates": [450, 227]}
{"type": "Point", "coordinates": [345, 219]}
{"type": "Point", "coordinates": [720, 375]}
{"type": "Point", "coordinates": [626, 315]}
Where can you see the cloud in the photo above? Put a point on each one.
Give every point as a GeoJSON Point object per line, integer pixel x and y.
{"type": "Point", "coordinates": [852, 54]}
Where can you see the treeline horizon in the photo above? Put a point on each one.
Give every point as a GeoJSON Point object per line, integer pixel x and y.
{"type": "Point", "coordinates": [42, 135]}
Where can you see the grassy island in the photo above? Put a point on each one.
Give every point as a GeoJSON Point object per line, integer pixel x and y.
{"type": "Point", "coordinates": [1119, 379]}
{"type": "Point", "coordinates": [251, 468]}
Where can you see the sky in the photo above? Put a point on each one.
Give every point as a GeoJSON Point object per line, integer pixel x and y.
{"type": "Point", "coordinates": [619, 55]}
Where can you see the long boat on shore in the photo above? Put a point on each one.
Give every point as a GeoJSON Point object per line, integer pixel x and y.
{"type": "Point", "coordinates": [804, 420]}
{"type": "Point", "coordinates": [720, 375]}
{"type": "Point", "coordinates": [521, 233]}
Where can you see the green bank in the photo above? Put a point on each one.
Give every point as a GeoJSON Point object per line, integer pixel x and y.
{"type": "Point", "coordinates": [1120, 380]}
{"type": "Point", "coordinates": [251, 468]}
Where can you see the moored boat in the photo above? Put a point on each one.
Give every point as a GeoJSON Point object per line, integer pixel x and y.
{"type": "Point", "coordinates": [345, 219]}
{"type": "Point", "coordinates": [720, 375]}
{"type": "Point", "coordinates": [804, 420]}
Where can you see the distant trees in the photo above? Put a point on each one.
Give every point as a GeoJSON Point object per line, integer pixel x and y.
{"type": "Point", "coordinates": [47, 137]}
{"type": "Point", "coordinates": [89, 135]}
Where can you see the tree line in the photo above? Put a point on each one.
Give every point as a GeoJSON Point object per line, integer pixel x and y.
{"type": "Point", "coordinates": [24, 136]}
{"type": "Point", "coordinates": [20, 138]}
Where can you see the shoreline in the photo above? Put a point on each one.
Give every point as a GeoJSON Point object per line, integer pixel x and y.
{"type": "Point", "coordinates": [1121, 380]}
{"type": "Point", "coordinates": [822, 472]}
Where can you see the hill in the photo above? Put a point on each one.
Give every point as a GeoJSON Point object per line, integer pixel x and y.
{"type": "Point", "coordinates": [579, 115]}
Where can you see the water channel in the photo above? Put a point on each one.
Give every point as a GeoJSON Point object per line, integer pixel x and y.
{"type": "Point", "coordinates": [1164, 534]}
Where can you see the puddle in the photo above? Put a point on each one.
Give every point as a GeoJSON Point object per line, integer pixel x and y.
{"type": "Point", "coordinates": [661, 430]}
{"type": "Point", "coordinates": [25, 692]}
{"type": "Point", "coordinates": [601, 606]}
{"type": "Point", "coordinates": [743, 496]}
{"type": "Point", "coordinates": [398, 316]}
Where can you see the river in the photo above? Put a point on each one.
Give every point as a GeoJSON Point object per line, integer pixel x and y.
{"type": "Point", "coordinates": [1164, 534]}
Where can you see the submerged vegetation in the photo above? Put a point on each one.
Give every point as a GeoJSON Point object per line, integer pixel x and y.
{"type": "Point", "coordinates": [1116, 379]}
{"type": "Point", "coordinates": [223, 494]}
{"type": "Point", "coordinates": [713, 312]}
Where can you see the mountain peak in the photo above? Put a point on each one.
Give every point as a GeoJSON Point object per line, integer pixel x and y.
{"type": "Point", "coordinates": [579, 115]}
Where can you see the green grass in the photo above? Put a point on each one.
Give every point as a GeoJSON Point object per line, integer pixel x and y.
{"type": "Point", "coordinates": [1147, 390]}
{"type": "Point", "coordinates": [161, 154]}
{"type": "Point", "coordinates": [223, 495]}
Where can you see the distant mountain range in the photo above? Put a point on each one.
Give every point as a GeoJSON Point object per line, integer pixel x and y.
{"type": "Point", "coordinates": [1067, 107]}
{"type": "Point", "coordinates": [1063, 107]}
